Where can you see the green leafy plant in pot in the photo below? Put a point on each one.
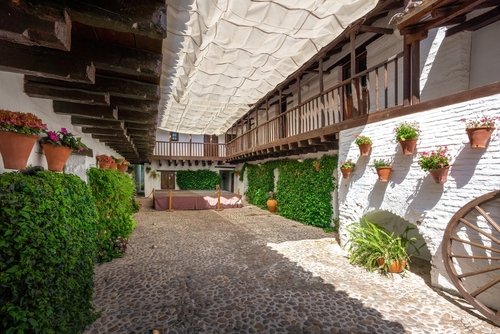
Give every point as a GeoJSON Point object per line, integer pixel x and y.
{"type": "Point", "coordinates": [406, 134]}
{"type": "Point", "coordinates": [384, 169]}
{"type": "Point", "coordinates": [437, 163]}
{"type": "Point", "coordinates": [365, 145]}
{"type": "Point", "coordinates": [346, 168]}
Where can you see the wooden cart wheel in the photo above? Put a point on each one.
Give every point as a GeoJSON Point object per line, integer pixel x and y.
{"type": "Point", "coordinates": [471, 253]}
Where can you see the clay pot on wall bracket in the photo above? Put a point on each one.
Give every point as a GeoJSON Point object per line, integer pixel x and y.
{"type": "Point", "coordinates": [408, 146]}
{"type": "Point", "coordinates": [384, 173]}
{"type": "Point", "coordinates": [346, 172]}
{"type": "Point", "coordinates": [56, 156]}
{"type": "Point", "coordinates": [122, 167]}
{"type": "Point", "coordinates": [397, 266]}
{"type": "Point", "coordinates": [16, 149]}
{"type": "Point", "coordinates": [479, 137]}
{"type": "Point", "coordinates": [440, 175]}
{"type": "Point", "coordinates": [103, 165]}
{"type": "Point", "coordinates": [365, 149]}
{"type": "Point", "coordinates": [113, 165]}
{"type": "Point", "coordinates": [272, 205]}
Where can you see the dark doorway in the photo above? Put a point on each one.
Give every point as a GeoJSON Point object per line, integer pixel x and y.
{"type": "Point", "coordinates": [227, 180]}
{"type": "Point", "coordinates": [167, 180]}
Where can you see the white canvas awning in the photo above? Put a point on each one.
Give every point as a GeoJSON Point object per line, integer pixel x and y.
{"type": "Point", "coordinates": [220, 56]}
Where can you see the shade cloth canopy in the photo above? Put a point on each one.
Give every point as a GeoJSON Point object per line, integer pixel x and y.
{"type": "Point", "coordinates": [221, 56]}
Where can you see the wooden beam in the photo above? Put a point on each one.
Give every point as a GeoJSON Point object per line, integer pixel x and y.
{"type": "Point", "coordinates": [78, 109]}
{"type": "Point", "coordinates": [104, 131]}
{"type": "Point", "coordinates": [115, 86]}
{"type": "Point", "coordinates": [136, 105]}
{"type": "Point", "coordinates": [477, 22]}
{"type": "Point", "coordinates": [34, 25]}
{"type": "Point", "coordinates": [44, 62]}
{"type": "Point", "coordinates": [415, 72]}
{"type": "Point", "coordinates": [134, 116]}
{"type": "Point", "coordinates": [119, 59]}
{"type": "Point", "coordinates": [406, 72]}
{"type": "Point", "coordinates": [376, 30]}
{"type": "Point", "coordinates": [97, 123]}
{"type": "Point", "coordinates": [145, 18]}
{"type": "Point", "coordinates": [416, 14]}
{"type": "Point", "coordinates": [58, 93]}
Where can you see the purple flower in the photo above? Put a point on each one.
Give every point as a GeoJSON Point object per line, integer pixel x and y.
{"type": "Point", "coordinates": [64, 131]}
{"type": "Point", "coordinates": [52, 136]}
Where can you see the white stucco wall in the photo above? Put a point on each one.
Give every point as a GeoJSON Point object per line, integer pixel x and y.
{"type": "Point", "coordinates": [411, 193]}
{"type": "Point", "coordinates": [13, 98]}
{"type": "Point", "coordinates": [485, 53]}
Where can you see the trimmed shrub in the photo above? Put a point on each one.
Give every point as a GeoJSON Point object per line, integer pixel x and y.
{"type": "Point", "coordinates": [47, 253]}
{"type": "Point", "coordinates": [303, 193]}
{"type": "Point", "coordinates": [114, 194]}
{"type": "Point", "coordinates": [201, 179]}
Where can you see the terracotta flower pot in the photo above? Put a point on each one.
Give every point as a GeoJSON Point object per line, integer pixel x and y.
{"type": "Point", "coordinates": [122, 167]}
{"type": "Point", "coordinates": [440, 175]}
{"type": "Point", "coordinates": [380, 261]}
{"type": "Point", "coordinates": [104, 165]}
{"type": "Point", "coordinates": [384, 173]}
{"type": "Point", "coordinates": [346, 172]}
{"type": "Point", "coordinates": [272, 205]}
{"type": "Point", "coordinates": [479, 137]}
{"type": "Point", "coordinates": [56, 156]}
{"type": "Point", "coordinates": [397, 266]}
{"type": "Point", "coordinates": [364, 149]}
{"type": "Point", "coordinates": [113, 165]}
{"type": "Point", "coordinates": [408, 146]}
{"type": "Point", "coordinates": [16, 149]}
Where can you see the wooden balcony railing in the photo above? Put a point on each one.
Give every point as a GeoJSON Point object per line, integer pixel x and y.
{"type": "Point", "coordinates": [371, 90]}
{"type": "Point", "coordinates": [189, 150]}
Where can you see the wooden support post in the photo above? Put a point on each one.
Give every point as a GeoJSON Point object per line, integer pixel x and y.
{"type": "Point", "coordinates": [170, 209]}
{"type": "Point", "coordinates": [406, 72]}
{"type": "Point", "coordinates": [299, 100]}
{"type": "Point", "coordinates": [415, 72]}
{"type": "Point", "coordinates": [219, 208]}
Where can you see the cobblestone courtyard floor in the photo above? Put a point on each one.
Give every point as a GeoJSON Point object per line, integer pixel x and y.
{"type": "Point", "coordinates": [245, 271]}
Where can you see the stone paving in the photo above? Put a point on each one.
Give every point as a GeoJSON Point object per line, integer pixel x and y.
{"type": "Point", "coordinates": [246, 271]}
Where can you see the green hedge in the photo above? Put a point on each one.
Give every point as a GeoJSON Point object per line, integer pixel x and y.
{"type": "Point", "coordinates": [201, 179]}
{"type": "Point", "coordinates": [47, 253]}
{"type": "Point", "coordinates": [114, 194]}
{"type": "Point", "coordinates": [303, 193]}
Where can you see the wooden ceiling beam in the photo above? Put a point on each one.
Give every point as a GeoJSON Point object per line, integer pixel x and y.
{"type": "Point", "coordinates": [58, 93]}
{"type": "Point", "coordinates": [139, 126]}
{"type": "Point", "coordinates": [477, 22]}
{"type": "Point", "coordinates": [134, 117]}
{"type": "Point", "coordinates": [115, 86]}
{"type": "Point", "coordinates": [376, 30]}
{"type": "Point", "coordinates": [119, 59]}
{"type": "Point", "coordinates": [47, 63]}
{"type": "Point", "coordinates": [135, 105]}
{"type": "Point", "coordinates": [104, 131]}
{"type": "Point", "coordinates": [145, 18]}
{"type": "Point", "coordinates": [78, 109]}
{"type": "Point", "coordinates": [35, 25]}
{"type": "Point", "coordinates": [96, 123]}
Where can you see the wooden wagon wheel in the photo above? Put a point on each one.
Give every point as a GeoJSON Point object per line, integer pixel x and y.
{"type": "Point", "coordinates": [471, 253]}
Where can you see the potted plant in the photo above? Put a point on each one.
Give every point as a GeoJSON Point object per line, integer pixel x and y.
{"type": "Point", "coordinates": [346, 168]}
{"type": "Point", "coordinates": [437, 163]}
{"type": "Point", "coordinates": [480, 129]}
{"type": "Point", "coordinates": [104, 161]}
{"type": "Point", "coordinates": [57, 147]}
{"type": "Point", "coordinates": [373, 247]}
{"type": "Point", "coordinates": [18, 133]}
{"type": "Point", "coordinates": [384, 169]}
{"type": "Point", "coordinates": [272, 203]}
{"type": "Point", "coordinates": [406, 134]}
{"type": "Point", "coordinates": [122, 165]}
{"type": "Point", "coordinates": [365, 145]}
{"type": "Point", "coordinates": [154, 174]}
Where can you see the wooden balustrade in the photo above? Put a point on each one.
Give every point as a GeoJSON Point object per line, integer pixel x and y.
{"type": "Point", "coordinates": [189, 150]}
{"type": "Point", "coordinates": [374, 89]}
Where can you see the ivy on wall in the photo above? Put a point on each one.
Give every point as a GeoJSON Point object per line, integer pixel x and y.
{"type": "Point", "coordinates": [47, 253]}
{"type": "Point", "coordinates": [303, 193]}
{"type": "Point", "coordinates": [201, 179]}
{"type": "Point", "coordinates": [114, 194]}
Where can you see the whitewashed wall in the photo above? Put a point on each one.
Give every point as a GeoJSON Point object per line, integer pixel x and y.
{"type": "Point", "coordinates": [12, 98]}
{"type": "Point", "coordinates": [411, 193]}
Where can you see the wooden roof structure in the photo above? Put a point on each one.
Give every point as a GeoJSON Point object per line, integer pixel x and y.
{"type": "Point", "coordinates": [99, 61]}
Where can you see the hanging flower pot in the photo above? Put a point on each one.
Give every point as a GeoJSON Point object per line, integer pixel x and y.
{"type": "Point", "coordinates": [122, 167]}
{"type": "Point", "coordinates": [440, 175]}
{"type": "Point", "coordinates": [56, 156]}
{"type": "Point", "coordinates": [346, 172]}
{"type": "Point", "coordinates": [479, 137]}
{"type": "Point", "coordinates": [317, 165]}
{"type": "Point", "coordinates": [16, 149]}
{"type": "Point", "coordinates": [113, 165]}
{"type": "Point", "coordinates": [272, 203]}
{"type": "Point", "coordinates": [104, 161]}
{"type": "Point", "coordinates": [397, 266]}
{"type": "Point", "coordinates": [384, 173]}
{"type": "Point", "coordinates": [408, 146]}
{"type": "Point", "coordinates": [365, 145]}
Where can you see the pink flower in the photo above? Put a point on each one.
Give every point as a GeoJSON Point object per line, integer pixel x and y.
{"type": "Point", "coordinates": [52, 136]}
{"type": "Point", "coordinates": [64, 131]}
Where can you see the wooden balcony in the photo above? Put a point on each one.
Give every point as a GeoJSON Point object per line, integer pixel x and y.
{"type": "Point", "coordinates": [172, 150]}
{"type": "Point", "coordinates": [313, 125]}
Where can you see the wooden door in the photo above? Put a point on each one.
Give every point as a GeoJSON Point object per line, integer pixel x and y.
{"type": "Point", "coordinates": [167, 180]}
{"type": "Point", "coordinates": [210, 146]}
